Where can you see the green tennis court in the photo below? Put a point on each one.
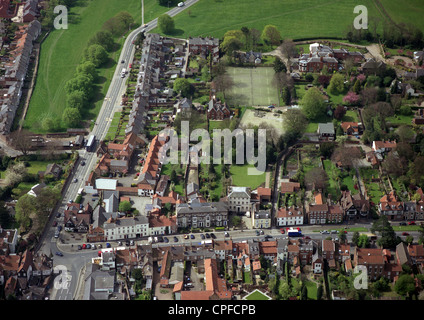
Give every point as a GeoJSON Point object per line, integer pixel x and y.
{"type": "Point", "coordinates": [252, 87]}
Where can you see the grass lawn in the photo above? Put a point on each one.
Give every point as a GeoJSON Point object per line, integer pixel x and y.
{"type": "Point", "coordinates": [400, 119]}
{"type": "Point", "coordinates": [241, 178]}
{"type": "Point", "coordinates": [61, 52]}
{"type": "Point", "coordinates": [411, 11]}
{"type": "Point", "coordinates": [256, 295]}
{"type": "Point", "coordinates": [294, 19]}
{"type": "Point", "coordinates": [312, 289]}
{"type": "Point", "coordinates": [252, 87]}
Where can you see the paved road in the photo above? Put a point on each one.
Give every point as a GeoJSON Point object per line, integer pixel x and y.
{"type": "Point", "coordinates": [75, 261]}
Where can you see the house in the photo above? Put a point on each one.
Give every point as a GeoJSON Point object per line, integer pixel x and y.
{"type": "Point", "coordinates": [126, 228]}
{"type": "Point", "coordinates": [354, 207]}
{"type": "Point", "coordinates": [264, 195]}
{"type": "Point", "coordinates": [251, 57]}
{"type": "Point", "coordinates": [100, 284]}
{"type": "Point", "coordinates": [184, 106]}
{"type": "Point", "coordinates": [329, 252]}
{"type": "Point", "coordinates": [350, 128]}
{"type": "Point", "coordinates": [261, 219]}
{"type": "Point", "coordinates": [35, 190]}
{"type": "Point", "coordinates": [289, 187]}
{"type": "Point", "coordinates": [416, 253]}
{"type": "Point", "coordinates": [202, 214]}
{"type": "Point", "coordinates": [315, 62]}
{"type": "Point", "coordinates": [239, 199]}
{"type": "Point", "coordinates": [218, 110]}
{"type": "Point", "coordinates": [373, 67]}
{"type": "Point", "coordinates": [391, 207]}
{"type": "Point", "coordinates": [402, 254]}
{"type": "Point", "coordinates": [204, 46]}
{"type": "Point", "coordinates": [288, 216]}
{"type": "Point", "coordinates": [383, 146]}
{"type": "Point", "coordinates": [326, 131]}
{"type": "Point", "coordinates": [53, 169]}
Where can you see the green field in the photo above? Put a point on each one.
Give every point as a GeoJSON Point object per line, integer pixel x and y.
{"type": "Point", "coordinates": [294, 19]}
{"type": "Point", "coordinates": [242, 179]}
{"type": "Point", "coordinates": [252, 87]}
{"type": "Point", "coordinates": [62, 50]}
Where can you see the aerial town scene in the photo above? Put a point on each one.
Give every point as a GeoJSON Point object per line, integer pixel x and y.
{"type": "Point", "coordinates": [218, 150]}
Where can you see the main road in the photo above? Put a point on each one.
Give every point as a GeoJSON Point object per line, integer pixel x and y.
{"type": "Point", "coordinates": [87, 160]}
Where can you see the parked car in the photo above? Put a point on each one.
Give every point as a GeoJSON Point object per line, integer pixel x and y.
{"type": "Point", "coordinates": [226, 234]}
{"type": "Point", "coordinates": [213, 236]}
{"type": "Point", "coordinates": [84, 246]}
{"type": "Point", "coordinates": [202, 236]}
{"type": "Point", "coordinates": [165, 239]}
{"type": "Point", "coordinates": [88, 246]}
{"type": "Point", "coordinates": [131, 242]}
{"type": "Point", "coordinates": [403, 223]}
{"type": "Point", "coordinates": [108, 245]}
{"type": "Point", "coordinates": [405, 233]}
{"type": "Point", "coordinates": [192, 236]}
{"type": "Point", "coordinates": [411, 223]}
{"type": "Point", "coordinates": [79, 247]}
{"type": "Point", "coordinates": [186, 236]}
{"type": "Point", "coordinates": [207, 235]}
{"type": "Point", "coordinates": [175, 239]}
{"type": "Point", "coordinates": [60, 254]}
{"type": "Point", "coordinates": [282, 231]}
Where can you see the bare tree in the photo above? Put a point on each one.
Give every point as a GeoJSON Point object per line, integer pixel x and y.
{"type": "Point", "coordinates": [288, 50]}
{"type": "Point", "coordinates": [21, 140]}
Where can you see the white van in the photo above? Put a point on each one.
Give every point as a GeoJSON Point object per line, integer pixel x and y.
{"type": "Point", "coordinates": [123, 73]}
{"type": "Point", "coordinates": [181, 4]}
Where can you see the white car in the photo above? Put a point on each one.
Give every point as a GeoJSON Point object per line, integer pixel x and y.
{"type": "Point", "coordinates": [181, 4]}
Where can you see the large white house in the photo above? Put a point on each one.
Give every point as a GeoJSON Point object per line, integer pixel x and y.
{"type": "Point", "coordinates": [126, 228]}
{"type": "Point", "coordinates": [292, 216]}
{"type": "Point", "coordinates": [239, 199]}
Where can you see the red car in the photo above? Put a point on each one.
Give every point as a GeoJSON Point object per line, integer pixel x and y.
{"type": "Point", "coordinates": [411, 223]}
{"type": "Point", "coordinates": [130, 65]}
{"type": "Point", "coordinates": [282, 231]}
{"type": "Point", "coordinates": [84, 246]}
{"type": "Point", "coordinates": [405, 233]}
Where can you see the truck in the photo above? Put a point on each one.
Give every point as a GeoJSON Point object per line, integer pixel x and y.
{"type": "Point", "coordinates": [294, 232]}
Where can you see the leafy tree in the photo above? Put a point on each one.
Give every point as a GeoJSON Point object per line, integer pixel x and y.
{"type": "Point", "coordinates": [355, 238]}
{"type": "Point", "coordinates": [312, 103]}
{"type": "Point", "coordinates": [81, 83]}
{"type": "Point", "coordinates": [363, 241]}
{"type": "Point", "coordinates": [96, 54]}
{"type": "Point", "coordinates": [388, 238]}
{"type": "Point", "coordinates": [166, 24]}
{"type": "Point", "coordinates": [336, 84]}
{"type": "Point", "coordinates": [24, 208]}
{"type": "Point", "coordinates": [103, 38]}
{"type": "Point", "coordinates": [87, 68]}
{"type": "Point", "coordinates": [125, 206]}
{"type": "Point", "coordinates": [339, 112]}
{"type": "Point", "coordinates": [76, 99]}
{"type": "Point", "coordinates": [71, 117]}
{"type": "Point", "coordinates": [279, 65]}
{"type": "Point", "coordinates": [405, 285]}
{"type": "Point", "coordinates": [294, 121]}
{"type": "Point", "coordinates": [183, 87]}
{"type": "Point", "coordinates": [271, 35]}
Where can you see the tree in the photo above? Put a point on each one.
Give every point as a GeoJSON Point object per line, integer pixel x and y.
{"type": "Point", "coordinates": [339, 112]}
{"type": "Point", "coordinates": [336, 84]}
{"type": "Point", "coordinates": [81, 83]}
{"type": "Point", "coordinates": [405, 285]}
{"type": "Point", "coordinates": [119, 24]}
{"type": "Point", "coordinates": [363, 241]}
{"type": "Point", "coordinates": [183, 87]}
{"type": "Point", "coordinates": [76, 99]}
{"type": "Point", "coordinates": [279, 65]}
{"type": "Point", "coordinates": [355, 238]}
{"type": "Point", "coordinates": [87, 68]}
{"type": "Point", "coordinates": [317, 177]}
{"type": "Point", "coordinates": [166, 24]}
{"type": "Point", "coordinates": [294, 121]}
{"type": "Point", "coordinates": [71, 117]}
{"type": "Point", "coordinates": [96, 54]}
{"type": "Point", "coordinates": [351, 98]}
{"type": "Point", "coordinates": [24, 208]}
{"type": "Point", "coordinates": [271, 35]}
{"type": "Point", "coordinates": [388, 238]}
{"type": "Point", "coordinates": [246, 32]}
{"type": "Point", "coordinates": [125, 206]}
{"type": "Point", "coordinates": [21, 140]}
{"type": "Point", "coordinates": [103, 38]}
{"type": "Point", "coordinates": [312, 104]}
{"type": "Point", "coordinates": [288, 49]}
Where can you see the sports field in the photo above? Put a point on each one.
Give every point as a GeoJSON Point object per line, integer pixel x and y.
{"type": "Point", "coordinates": [252, 87]}
{"type": "Point", "coordinates": [61, 52]}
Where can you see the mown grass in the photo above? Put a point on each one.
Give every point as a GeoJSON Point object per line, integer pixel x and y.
{"type": "Point", "coordinates": [62, 50]}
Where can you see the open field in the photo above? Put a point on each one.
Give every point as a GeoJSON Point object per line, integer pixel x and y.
{"type": "Point", "coordinates": [271, 118]}
{"type": "Point", "coordinates": [252, 87]}
{"type": "Point", "coordinates": [62, 50]}
{"type": "Point", "coordinates": [294, 19]}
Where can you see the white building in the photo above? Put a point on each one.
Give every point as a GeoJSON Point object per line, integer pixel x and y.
{"type": "Point", "coordinates": [239, 199]}
{"type": "Point", "coordinates": [292, 216]}
{"type": "Point", "coordinates": [126, 228]}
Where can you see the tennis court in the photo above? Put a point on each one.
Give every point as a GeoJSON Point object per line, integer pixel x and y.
{"type": "Point", "coordinates": [252, 87]}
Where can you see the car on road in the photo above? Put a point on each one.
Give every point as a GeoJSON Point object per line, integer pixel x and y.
{"type": "Point", "coordinates": [405, 233]}
{"type": "Point", "coordinates": [202, 236]}
{"type": "Point", "coordinates": [411, 223]}
{"type": "Point", "coordinates": [83, 163]}
{"type": "Point", "coordinates": [213, 236]}
{"type": "Point", "coordinates": [84, 246]}
{"type": "Point", "coordinates": [108, 245]}
{"type": "Point", "coordinates": [60, 254]}
{"type": "Point", "coordinates": [324, 232]}
{"type": "Point", "coordinates": [181, 4]}
{"type": "Point", "coordinates": [88, 246]}
{"type": "Point", "coordinates": [207, 235]}
{"type": "Point", "coordinates": [282, 231]}
{"type": "Point", "coordinates": [226, 234]}
{"type": "Point", "coordinates": [79, 247]}
{"type": "Point", "coordinates": [267, 237]}
{"type": "Point", "coordinates": [75, 180]}
{"type": "Point", "coordinates": [130, 66]}
{"type": "Point", "coordinates": [186, 236]}
{"type": "Point", "coordinates": [175, 239]}
{"type": "Point", "coordinates": [192, 236]}
{"type": "Point", "coordinates": [59, 228]}
{"type": "Point", "coordinates": [145, 25]}
{"type": "Point", "coordinates": [122, 61]}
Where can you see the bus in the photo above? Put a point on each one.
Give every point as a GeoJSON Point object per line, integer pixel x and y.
{"type": "Point", "coordinates": [90, 143]}
{"type": "Point", "coordinates": [294, 232]}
